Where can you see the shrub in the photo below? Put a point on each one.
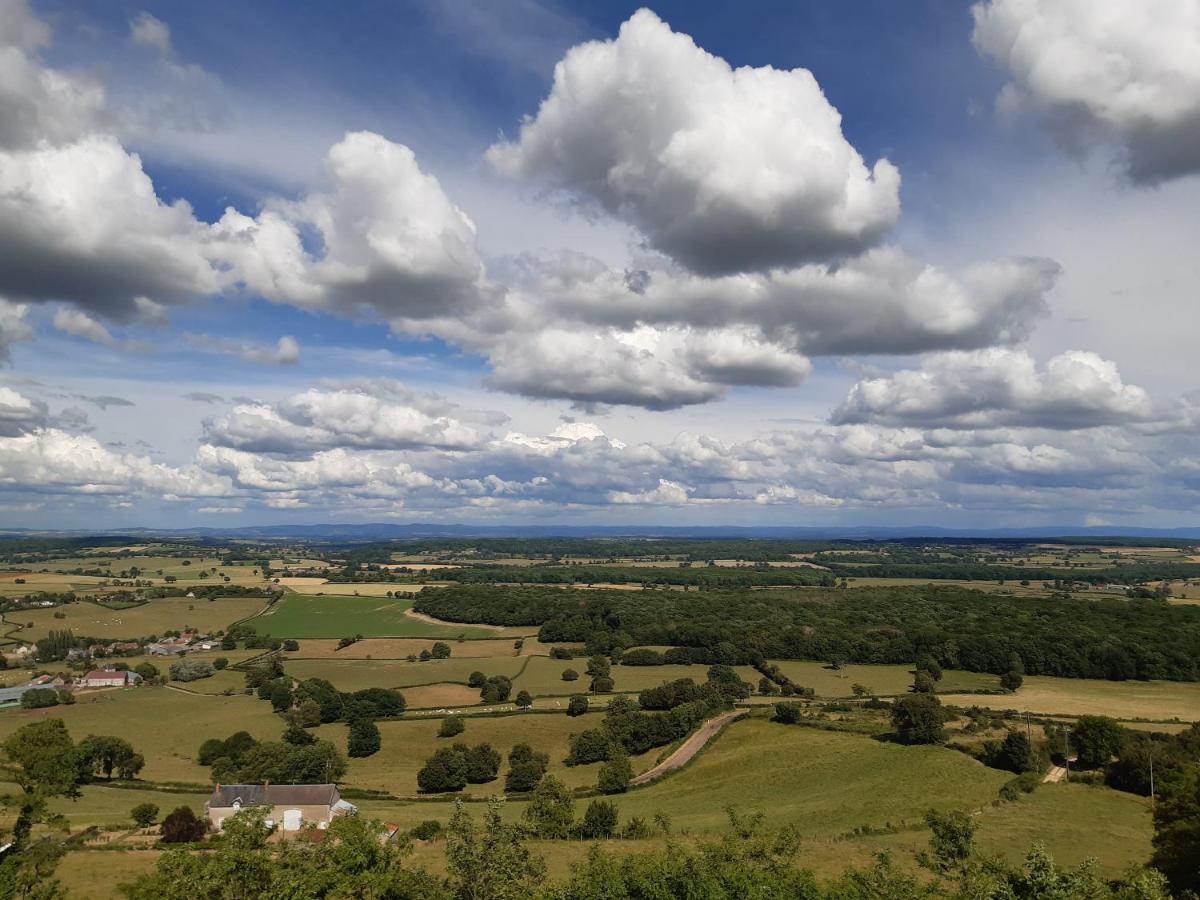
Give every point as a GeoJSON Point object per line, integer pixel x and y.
{"type": "Point", "coordinates": [291, 646]}
{"type": "Point", "coordinates": [220, 663]}
{"type": "Point", "coordinates": [570, 675]}
{"type": "Point", "coordinates": [363, 739]}
{"type": "Point", "coordinates": [483, 763]}
{"type": "Point", "coordinates": [496, 689]}
{"type": "Point", "coordinates": [182, 826]}
{"type": "Point", "coordinates": [524, 699]}
{"type": "Point", "coordinates": [602, 684]}
{"type": "Point", "coordinates": [476, 679]}
{"type": "Point", "coordinates": [39, 698]}
{"type": "Point", "coordinates": [615, 775]}
{"type": "Point", "coordinates": [561, 653]}
{"type": "Point", "coordinates": [443, 772]}
{"type": "Point", "coordinates": [599, 820]}
{"type": "Point", "coordinates": [440, 650]}
{"type": "Point", "coordinates": [788, 713]}
{"type": "Point", "coordinates": [451, 726]}
{"type": "Point", "coordinates": [641, 656]}
{"type": "Point", "coordinates": [191, 670]}
{"type": "Point", "coordinates": [426, 831]}
{"type": "Point", "coordinates": [144, 814]}
{"type": "Point", "coordinates": [525, 769]}
{"type": "Point", "coordinates": [577, 705]}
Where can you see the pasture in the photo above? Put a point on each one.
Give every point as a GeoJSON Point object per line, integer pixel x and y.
{"type": "Point", "coordinates": [882, 680]}
{"type": "Point", "coordinates": [543, 676]}
{"type": "Point", "coordinates": [407, 743]}
{"type": "Point", "coordinates": [353, 675]}
{"type": "Point", "coordinates": [88, 619]}
{"type": "Point", "coordinates": [402, 648]}
{"type": "Point", "coordinates": [300, 616]}
{"type": "Point", "coordinates": [1151, 700]}
{"type": "Point", "coordinates": [165, 725]}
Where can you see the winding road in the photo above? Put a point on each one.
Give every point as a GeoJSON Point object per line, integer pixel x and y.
{"type": "Point", "coordinates": [684, 752]}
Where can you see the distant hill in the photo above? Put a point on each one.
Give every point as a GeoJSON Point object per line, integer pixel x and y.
{"type": "Point", "coordinates": [381, 531]}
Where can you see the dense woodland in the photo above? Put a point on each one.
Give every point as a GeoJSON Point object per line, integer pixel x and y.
{"type": "Point", "coordinates": [960, 628]}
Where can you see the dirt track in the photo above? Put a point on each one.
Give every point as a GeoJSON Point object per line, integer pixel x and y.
{"type": "Point", "coordinates": [689, 748]}
{"type": "Point", "coordinates": [1055, 775]}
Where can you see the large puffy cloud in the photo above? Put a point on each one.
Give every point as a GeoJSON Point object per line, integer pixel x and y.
{"type": "Point", "coordinates": [1106, 69]}
{"type": "Point", "coordinates": [393, 244]}
{"type": "Point", "coordinates": [999, 387]}
{"type": "Point", "coordinates": [50, 460]}
{"type": "Point", "coordinates": [18, 413]}
{"type": "Point", "coordinates": [724, 169]}
{"type": "Point", "coordinates": [322, 419]}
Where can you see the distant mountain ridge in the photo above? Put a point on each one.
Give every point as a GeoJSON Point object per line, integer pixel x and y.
{"type": "Point", "coordinates": [382, 531]}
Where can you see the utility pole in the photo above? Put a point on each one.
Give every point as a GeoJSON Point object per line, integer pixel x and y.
{"type": "Point", "coordinates": [1150, 753]}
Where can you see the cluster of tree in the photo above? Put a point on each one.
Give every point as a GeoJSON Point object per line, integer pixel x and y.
{"type": "Point", "coordinates": [628, 730]}
{"type": "Point", "coordinates": [705, 578]}
{"type": "Point", "coordinates": [525, 769]}
{"type": "Point", "coordinates": [722, 687]}
{"type": "Point", "coordinates": [453, 768]}
{"type": "Point", "coordinates": [959, 628]}
{"type": "Point", "coordinates": [191, 669]}
{"type": "Point", "coordinates": [241, 758]}
{"type": "Point", "coordinates": [41, 698]}
{"type": "Point", "coordinates": [57, 644]}
{"type": "Point", "coordinates": [493, 688]}
{"type": "Point", "coordinates": [314, 701]}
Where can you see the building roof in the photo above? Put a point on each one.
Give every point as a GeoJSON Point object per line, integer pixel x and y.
{"type": "Point", "coordinates": [105, 674]}
{"type": "Point", "coordinates": [225, 795]}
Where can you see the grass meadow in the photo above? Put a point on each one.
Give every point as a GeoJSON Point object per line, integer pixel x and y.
{"type": "Point", "coordinates": [301, 616]}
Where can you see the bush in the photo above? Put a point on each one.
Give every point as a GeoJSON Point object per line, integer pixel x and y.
{"type": "Point", "coordinates": [182, 826]}
{"type": "Point", "coordinates": [525, 769]}
{"type": "Point", "coordinates": [577, 705]}
{"type": "Point", "coordinates": [570, 675]}
{"type": "Point", "coordinates": [483, 763]}
{"type": "Point", "coordinates": [615, 775]}
{"type": "Point", "coordinates": [524, 699]}
{"type": "Point", "coordinates": [147, 671]}
{"type": "Point", "coordinates": [39, 698]}
{"type": "Point", "coordinates": [144, 814]}
{"type": "Point", "coordinates": [641, 656]}
{"type": "Point", "coordinates": [918, 719]}
{"type": "Point", "coordinates": [1011, 680]}
{"type": "Point", "coordinates": [363, 739]}
{"type": "Point", "coordinates": [599, 820]}
{"type": "Point", "coordinates": [191, 670]}
{"type": "Point", "coordinates": [788, 713]}
{"type": "Point", "coordinates": [291, 646]}
{"type": "Point", "coordinates": [476, 679]}
{"type": "Point", "coordinates": [299, 737]}
{"type": "Point", "coordinates": [496, 689]}
{"type": "Point", "coordinates": [602, 684]}
{"type": "Point", "coordinates": [443, 772]}
{"type": "Point", "coordinates": [561, 653]}
{"type": "Point", "coordinates": [220, 663]}
{"type": "Point", "coordinates": [440, 650]}
{"type": "Point", "coordinates": [373, 703]}
{"type": "Point", "coordinates": [451, 726]}
{"type": "Point", "coordinates": [426, 831]}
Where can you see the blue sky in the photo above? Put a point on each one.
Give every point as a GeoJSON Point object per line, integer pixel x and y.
{"type": "Point", "coordinates": [797, 263]}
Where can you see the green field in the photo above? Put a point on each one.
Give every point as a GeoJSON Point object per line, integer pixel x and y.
{"type": "Point", "coordinates": [300, 616]}
{"type": "Point", "coordinates": [353, 675]}
{"type": "Point", "coordinates": [543, 676]}
{"type": "Point", "coordinates": [883, 680]}
{"type": "Point", "coordinates": [407, 743]}
{"type": "Point", "coordinates": [153, 617]}
{"type": "Point", "coordinates": [164, 725]}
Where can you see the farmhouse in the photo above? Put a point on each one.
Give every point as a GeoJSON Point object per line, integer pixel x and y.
{"type": "Point", "coordinates": [103, 678]}
{"type": "Point", "coordinates": [291, 804]}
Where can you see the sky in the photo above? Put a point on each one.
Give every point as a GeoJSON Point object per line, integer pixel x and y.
{"type": "Point", "coordinates": [787, 263]}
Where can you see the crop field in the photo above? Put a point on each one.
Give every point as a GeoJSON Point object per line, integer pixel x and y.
{"type": "Point", "coordinates": [153, 617]}
{"type": "Point", "coordinates": [882, 680]}
{"type": "Point", "coordinates": [407, 743]}
{"type": "Point", "coordinates": [298, 616]}
{"type": "Point", "coordinates": [164, 725]}
{"type": "Point", "coordinates": [1152, 700]}
{"type": "Point", "coordinates": [353, 675]}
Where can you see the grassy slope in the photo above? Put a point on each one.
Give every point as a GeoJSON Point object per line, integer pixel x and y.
{"type": "Point", "coordinates": [1119, 699]}
{"type": "Point", "coordinates": [300, 616]}
{"type": "Point", "coordinates": [154, 617]}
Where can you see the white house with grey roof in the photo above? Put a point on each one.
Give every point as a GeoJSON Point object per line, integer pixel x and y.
{"type": "Point", "coordinates": [292, 805]}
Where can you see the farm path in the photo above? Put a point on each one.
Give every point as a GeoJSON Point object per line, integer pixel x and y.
{"type": "Point", "coordinates": [1055, 775]}
{"type": "Point", "coordinates": [688, 749]}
